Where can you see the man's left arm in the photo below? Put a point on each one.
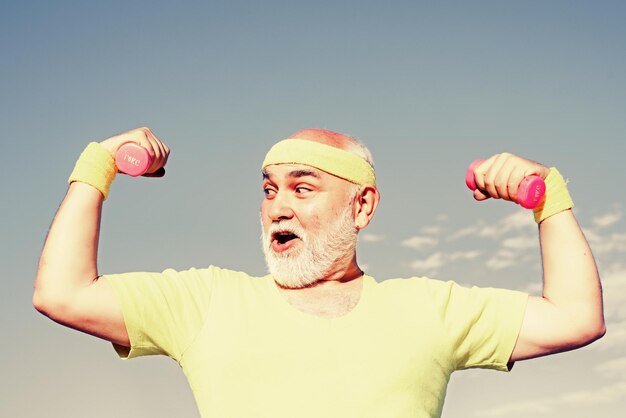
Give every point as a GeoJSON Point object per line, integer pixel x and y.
{"type": "Point", "coordinates": [569, 314]}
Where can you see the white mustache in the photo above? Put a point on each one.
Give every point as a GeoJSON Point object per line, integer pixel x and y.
{"type": "Point", "coordinates": [286, 226]}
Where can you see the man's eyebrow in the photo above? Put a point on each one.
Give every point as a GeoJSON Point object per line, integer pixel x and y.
{"type": "Point", "coordinates": [294, 174]}
{"type": "Point", "coordinates": [304, 173]}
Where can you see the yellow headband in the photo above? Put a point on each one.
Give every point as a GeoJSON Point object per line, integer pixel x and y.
{"type": "Point", "coordinates": [332, 160]}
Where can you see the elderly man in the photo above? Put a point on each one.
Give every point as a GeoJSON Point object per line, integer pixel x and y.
{"type": "Point", "coordinates": [317, 337]}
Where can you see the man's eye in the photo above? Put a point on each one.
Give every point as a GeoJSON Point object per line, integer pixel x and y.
{"type": "Point", "coordinates": [268, 191]}
{"type": "Point", "coordinates": [301, 189]}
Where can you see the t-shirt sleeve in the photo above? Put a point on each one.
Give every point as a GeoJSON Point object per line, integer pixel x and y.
{"type": "Point", "coordinates": [481, 324]}
{"type": "Point", "coordinates": [163, 312]}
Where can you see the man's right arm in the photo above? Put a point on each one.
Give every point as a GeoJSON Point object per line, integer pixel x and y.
{"type": "Point", "coordinates": [67, 287]}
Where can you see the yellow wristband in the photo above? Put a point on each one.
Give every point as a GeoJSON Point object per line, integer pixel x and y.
{"type": "Point", "coordinates": [96, 167]}
{"type": "Point", "coordinates": [556, 199]}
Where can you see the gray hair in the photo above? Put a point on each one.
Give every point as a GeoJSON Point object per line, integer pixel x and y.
{"type": "Point", "coordinates": [360, 149]}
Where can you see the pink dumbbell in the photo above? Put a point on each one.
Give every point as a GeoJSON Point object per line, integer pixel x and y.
{"type": "Point", "coordinates": [132, 159]}
{"type": "Point", "coordinates": [529, 192]}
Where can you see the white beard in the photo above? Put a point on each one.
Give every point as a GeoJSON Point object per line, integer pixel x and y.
{"type": "Point", "coordinates": [299, 268]}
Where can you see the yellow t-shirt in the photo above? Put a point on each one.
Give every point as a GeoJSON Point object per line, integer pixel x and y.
{"type": "Point", "coordinates": [247, 352]}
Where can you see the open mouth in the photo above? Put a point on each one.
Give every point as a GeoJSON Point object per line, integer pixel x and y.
{"type": "Point", "coordinates": [282, 240]}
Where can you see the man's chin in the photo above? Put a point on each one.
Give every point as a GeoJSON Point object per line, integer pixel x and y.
{"type": "Point", "coordinates": [290, 279]}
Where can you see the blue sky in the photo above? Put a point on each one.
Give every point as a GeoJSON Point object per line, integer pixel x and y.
{"type": "Point", "coordinates": [428, 86]}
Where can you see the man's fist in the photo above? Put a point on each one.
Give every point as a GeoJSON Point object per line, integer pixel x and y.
{"type": "Point", "coordinates": [158, 151]}
{"type": "Point", "coordinates": [500, 176]}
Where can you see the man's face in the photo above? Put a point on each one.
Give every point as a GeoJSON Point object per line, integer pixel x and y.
{"type": "Point", "coordinates": [308, 223]}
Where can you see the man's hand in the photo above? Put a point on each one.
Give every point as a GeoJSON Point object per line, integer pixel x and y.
{"type": "Point", "coordinates": [499, 176]}
{"type": "Point", "coordinates": [68, 288]}
{"type": "Point", "coordinates": [569, 312]}
{"type": "Point", "coordinates": [159, 152]}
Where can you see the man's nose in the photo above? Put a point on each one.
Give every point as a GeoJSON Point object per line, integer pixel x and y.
{"type": "Point", "coordinates": [280, 207]}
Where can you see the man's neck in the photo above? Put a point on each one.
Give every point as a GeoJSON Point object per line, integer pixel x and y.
{"type": "Point", "coordinates": [333, 296]}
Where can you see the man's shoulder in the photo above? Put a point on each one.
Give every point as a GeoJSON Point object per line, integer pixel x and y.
{"type": "Point", "coordinates": [211, 270]}
{"type": "Point", "coordinates": [216, 274]}
{"type": "Point", "coordinates": [416, 282]}
{"type": "Point", "coordinates": [444, 293]}
{"type": "Point", "coordinates": [412, 287]}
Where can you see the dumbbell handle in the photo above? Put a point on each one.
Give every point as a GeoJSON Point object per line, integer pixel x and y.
{"type": "Point", "coordinates": [132, 159]}
{"type": "Point", "coordinates": [529, 192]}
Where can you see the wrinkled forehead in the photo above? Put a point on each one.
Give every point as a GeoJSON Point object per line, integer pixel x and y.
{"type": "Point", "coordinates": [329, 159]}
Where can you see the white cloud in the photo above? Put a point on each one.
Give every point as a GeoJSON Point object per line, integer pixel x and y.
{"type": "Point", "coordinates": [601, 243]}
{"type": "Point", "coordinates": [606, 394]}
{"type": "Point", "coordinates": [607, 220]}
{"type": "Point", "coordinates": [371, 237]}
{"type": "Point", "coordinates": [499, 264]}
{"type": "Point", "coordinates": [464, 255]}
{"type": "Point", "coordinates": [527, 408]}
{"type": "Point", "coordinates": [509, 255]}
{"type": "Point", "coordinates": [613, 368]}
{"type": "Point", "coordinates": [613, 243]}
{"type": "Point", "coordinates": [614, 291]}
{"type": "Point", "coordinates": [522, 242]}
{"type": "Point", "coordinates": [534, 288]}
{"type": "Point", "coordinates": [513, 249]}
{"type": "Point", "coordinates": [431, 230]}
{"type": "Point", "coordinates": [490, 231]}
{"type": "Point", "coordinates": [546, 406]}
{"type": "Point", "coordinates": [420, 242]}
{"type": "Point", "coordinates": [592, 235]}
{"type": "Point", "coordinates": [502, 259]}
{"type": "Point", "coordinates": [464, 232]}
{"type": "Point", "coordinates": [480, 229]}
{"type": "Point", "coordinates": [428, 265]}
{"type": "Point", "coordinates": [519, 220]}
{"type": "Point", "coordinates": [614, 339]}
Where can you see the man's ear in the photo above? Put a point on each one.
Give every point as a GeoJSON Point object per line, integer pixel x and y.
{"type": "Point", "coordinates": [366, 203]}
